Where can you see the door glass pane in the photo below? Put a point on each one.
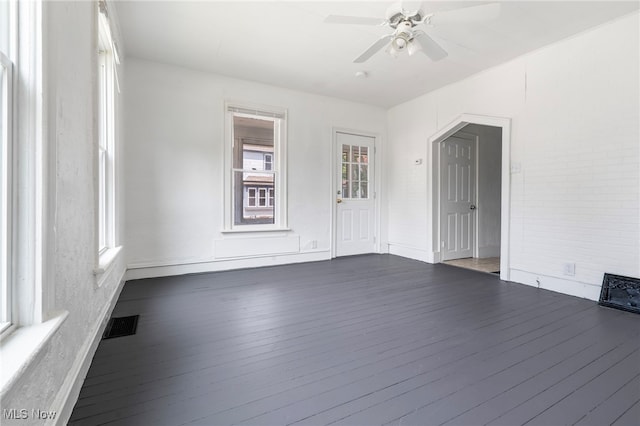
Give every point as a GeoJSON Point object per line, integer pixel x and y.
{"type": "Point", "coordinates": [355, 190]}
{"type": "Point", "coordinates": [355, 154]}
{"type": "Point", "coordinates": [364, 172]}
{"type": "Point", "coordinates": [364, 154]}
{"type": "Point", "coordinates": [354, 172]}
{"type": "Point", "coordinates": [364, 189]}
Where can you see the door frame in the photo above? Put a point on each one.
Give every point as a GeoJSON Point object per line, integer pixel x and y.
{"type": "Point", "coordinates": [505, 187]}
{"type": "Point", "coordinates": [333, 185]}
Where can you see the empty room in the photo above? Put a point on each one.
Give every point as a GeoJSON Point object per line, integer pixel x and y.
{"type": "Point", "coordinates": [312, 213]}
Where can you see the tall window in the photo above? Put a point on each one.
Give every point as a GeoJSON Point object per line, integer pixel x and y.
{"type": "Point", "coordinates": [106, 130]}
{"type": "Point", "coordinates": [257, 168]}
{"type": "Point", "coordinates": [7, 29]}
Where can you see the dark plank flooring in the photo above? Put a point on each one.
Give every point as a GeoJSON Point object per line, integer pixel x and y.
{"type": "Point", "coordinates": [363, 340]}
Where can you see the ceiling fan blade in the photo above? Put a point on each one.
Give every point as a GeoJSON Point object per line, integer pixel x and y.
{"type": "Point", "coordinates": [483, 12]}
{"type": "Point", "coordinates": [358, 20]}
{"type": "Point", "coordinates": [429, 46]}
{"type": "Point", "coordinates": [373, 49]}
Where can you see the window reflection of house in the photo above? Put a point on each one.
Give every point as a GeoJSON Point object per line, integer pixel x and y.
{"type": "Point", "coordinates": [258, 190]}
{"type": "Point", "coordinates": [254, 162]}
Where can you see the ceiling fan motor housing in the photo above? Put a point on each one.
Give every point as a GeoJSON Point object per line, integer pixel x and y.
{"type": "Point", "coordinates": [403, 35]}
{"type": "Point", "coordinates": [399, 18]}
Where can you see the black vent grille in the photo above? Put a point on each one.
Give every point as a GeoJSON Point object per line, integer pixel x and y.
{"type": "Point", "coordinates": [621, 293]}
{"type": "Point", "coordinates": [119, 327]}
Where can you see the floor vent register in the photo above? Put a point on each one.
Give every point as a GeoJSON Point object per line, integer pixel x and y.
{"type": "Point", "coordinates": [119, 327]}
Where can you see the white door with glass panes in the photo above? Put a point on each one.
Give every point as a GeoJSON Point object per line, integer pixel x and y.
{"type": "Point", "coordinates": [355, 196]}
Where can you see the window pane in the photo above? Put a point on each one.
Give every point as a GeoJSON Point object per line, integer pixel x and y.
{"type": "Point", "coordinates": [251, 197]}
{"type": "Point", "coordinates": [4, 27]}
{"type": "Point", "coordinates": [4, 204]}
{"type": "Point", "coordinates": [253, 144]}
{"type": "Point", "coordinates": [102, 199]}
{"type": "Point", "coordinates": [255, 207]}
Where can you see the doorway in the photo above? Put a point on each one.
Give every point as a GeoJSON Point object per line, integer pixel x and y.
{"type": "Point", "coordinates": [470, 194]}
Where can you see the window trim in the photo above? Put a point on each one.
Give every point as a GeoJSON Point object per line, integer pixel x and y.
{"type": "Point", "coordinates": [6, 193]}
{"type": "Point", "coordinates": [107, 84]}
{"type": "Point", "coordinates": [264, 112]}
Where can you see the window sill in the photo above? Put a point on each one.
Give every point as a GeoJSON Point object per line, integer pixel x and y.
{"type": "Point", "coordinates": [253, 230]}
{"type": "Point", "coordinates": [23, 346]}
{"type": "Point", "coordinates": [105, 263]}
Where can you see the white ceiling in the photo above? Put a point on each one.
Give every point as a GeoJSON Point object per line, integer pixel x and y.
{"type": "Point", "coordinates": [286, 43]}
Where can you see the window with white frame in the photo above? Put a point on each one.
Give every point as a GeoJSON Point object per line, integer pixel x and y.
{"type": "Point", "coordinates": [257, 168]}
{"type": "Point", "coordinates": [106, 130]}
{"type": "Point", "coordinates": [7, 29]}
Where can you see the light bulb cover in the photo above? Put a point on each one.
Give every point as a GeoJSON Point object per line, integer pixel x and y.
{"type": "Point", "coordinates": [413, 47]}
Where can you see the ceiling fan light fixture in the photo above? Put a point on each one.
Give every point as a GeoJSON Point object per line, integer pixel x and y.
{"type": "Point", "coordinates": [400, 42]}
{"type": "Point", "coordinates": [413, 47]}
{"type": "Point", "coordinates": [392, 51]}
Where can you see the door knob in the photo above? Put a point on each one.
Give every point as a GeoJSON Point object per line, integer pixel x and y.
{"type": "Point", "coordinates": [472, 207]}
{"type": "Point", "coordinates": [339, 200]}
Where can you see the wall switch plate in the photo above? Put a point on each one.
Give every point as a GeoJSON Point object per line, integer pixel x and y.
{"type": "Point", "coordinates": [569, 269]}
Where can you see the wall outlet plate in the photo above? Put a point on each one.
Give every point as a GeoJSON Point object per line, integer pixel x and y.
{"type": "Point", "coordinates": [569, 269]}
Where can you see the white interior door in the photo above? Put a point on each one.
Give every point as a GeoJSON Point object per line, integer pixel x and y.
{"type": "Point", "coordinates": [355, 209]}
{"type": "Point", "coordinates": [457, 197]}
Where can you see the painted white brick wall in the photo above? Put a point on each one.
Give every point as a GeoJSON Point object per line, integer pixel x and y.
{"type": "Point", "coordinates": [575, 133]}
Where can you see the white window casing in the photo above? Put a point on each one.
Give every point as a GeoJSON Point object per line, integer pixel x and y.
{"type": "Point", "coordinates": [275, 165]}
{"type": "Point", "coordinates": [106, 250]}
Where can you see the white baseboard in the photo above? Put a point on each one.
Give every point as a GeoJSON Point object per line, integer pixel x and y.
{"type": "Point", "coordinates": [411, 252]}
{"type": "Point", "coordinates": [140, 271]}
{"type": "Point", "coordinates": [70, 389]}
{"type": "Point", "coordinates": [560, 285]}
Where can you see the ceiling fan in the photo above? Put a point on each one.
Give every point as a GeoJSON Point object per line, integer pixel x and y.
{"type": "Point", "coordinates": [406, 36]}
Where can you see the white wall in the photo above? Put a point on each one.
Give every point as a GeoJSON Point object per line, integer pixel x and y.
{"type": "Point", "coordinates": [174, 169]}
{"type": "Point", "coordinates": [575, 132]}
{"type": "Point", "coordinates": [489, 180]}
{"type": "Point", "coordinates": [51, 381]}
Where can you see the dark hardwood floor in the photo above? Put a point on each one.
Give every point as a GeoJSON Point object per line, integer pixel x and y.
{"type": "Point", "coordinates": [364, 340]}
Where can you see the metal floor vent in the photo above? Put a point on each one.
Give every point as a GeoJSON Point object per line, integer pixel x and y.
{"type": "Point", "coordinates": [621, 293]}
{"type": "Point", "coordinates": [119, 327]}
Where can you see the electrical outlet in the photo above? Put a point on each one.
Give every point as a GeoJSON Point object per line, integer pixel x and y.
{"type": "Point", "coordinates": [314, 244]}
{"type": "Point", "coordinates": [569, 269]}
